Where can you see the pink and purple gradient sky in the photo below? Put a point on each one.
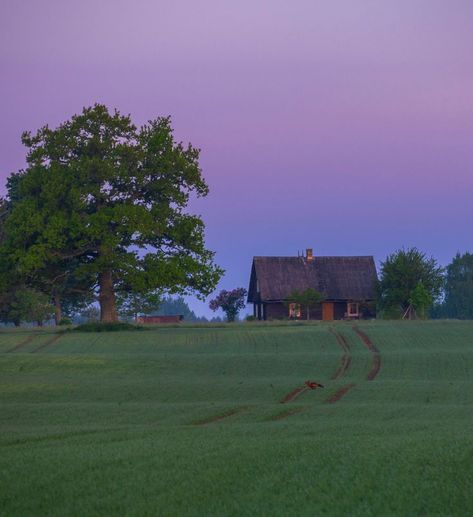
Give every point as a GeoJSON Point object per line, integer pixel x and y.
{"type": "Point", "coordinates": [342, 125]}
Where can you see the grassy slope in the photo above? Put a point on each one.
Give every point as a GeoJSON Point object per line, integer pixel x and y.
{"type": "Point", "coordinates": [115, 423]}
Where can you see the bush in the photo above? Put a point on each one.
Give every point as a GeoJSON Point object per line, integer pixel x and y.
{"type": "Point", "coordinates": [250, 317]}
{"type": "Point", "coordinates": [106, 327]}
{"type": "Point", "coordinates": [65, 321]}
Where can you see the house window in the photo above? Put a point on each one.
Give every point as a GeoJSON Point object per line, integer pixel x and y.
{"type": "Point", "coordinates": [295, 311]}
{"type": "Point", "coordinates": [352, 310]}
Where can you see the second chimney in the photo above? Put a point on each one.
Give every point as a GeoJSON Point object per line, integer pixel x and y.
{"type": "Point", "coordinates": [309, 255]}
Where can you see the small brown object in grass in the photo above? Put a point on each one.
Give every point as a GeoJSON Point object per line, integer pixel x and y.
{"type": "Point", "coordinates": [313, 385]}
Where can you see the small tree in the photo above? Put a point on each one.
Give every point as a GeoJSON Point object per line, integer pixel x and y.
{"type": "Point", "coordinates": [131, 304]}
{"type": "Point", "coordinates": [231, 302]}
{"type": "Point", "coordinates": [306, 299]}
{"type": "Point", "coordinates": [400, 275]}
{"type": "Point", "coordinates": [30, 305]}
{"type": "Point", "coordinates": [171, 306]}
{"type": "Point", "coordinates": [421, 300]}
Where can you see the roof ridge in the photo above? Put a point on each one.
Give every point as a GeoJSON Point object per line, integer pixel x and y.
{"type": "Point", "coordinates": [315, 256]}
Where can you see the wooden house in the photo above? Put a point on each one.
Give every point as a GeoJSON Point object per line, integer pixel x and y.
{"type": "Point", "coordinates": [347, 283]}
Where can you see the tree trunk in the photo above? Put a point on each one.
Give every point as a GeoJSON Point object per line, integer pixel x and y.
{"type": "Point", "coordinates": [108, 308]}
{"type": "Point", "coordinates": [57, 310]}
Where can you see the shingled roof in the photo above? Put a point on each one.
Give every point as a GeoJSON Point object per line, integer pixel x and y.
{"type": "Point", "coordinates": [339, 278]}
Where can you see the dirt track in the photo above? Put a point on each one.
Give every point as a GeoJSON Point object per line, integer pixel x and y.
{"type": "Point", "coordinates": [22, 344]}
{"type": "Point", "coordinates": [217, 418]}
{"type": "Point", "coordinates": [346, 357]}
{"type": "Point", "coordinates": [49, 342]}
{"type": "Point", "coordinates": [287, 413]}
{"type": "Point", "coordinates": [293, 394]}
{"type": "Point", "coordinates": [340, 393]}
{"type": "Point", "coordinates": [376, 361]}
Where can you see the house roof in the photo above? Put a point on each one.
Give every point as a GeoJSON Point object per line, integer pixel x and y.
{"type": "Point", "coordinates": [339, 278]}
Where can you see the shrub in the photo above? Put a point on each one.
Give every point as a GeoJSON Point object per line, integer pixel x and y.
{"type": "Point", "coordinates": [106, 327]}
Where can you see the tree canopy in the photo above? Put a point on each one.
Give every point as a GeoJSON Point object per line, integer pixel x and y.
{"type": "Point", "coordinates": [231, 302]}
{"type": "Point", "coordinates": [306, 299]}
{"type": "Point", "coordinates": [409, 277]}
{"type": "Point", "coordinates": [458, 301]}
{"type": "Point", "coordinates": [103, 202]}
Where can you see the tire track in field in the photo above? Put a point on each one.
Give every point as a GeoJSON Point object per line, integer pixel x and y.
{"type": "Point", "coordinates": [376, 356]}
{"type": "Point", "coordinates": [23, 343]}
{"type": "Point", "coordinates": [287, 413]}
{"type": "Point", "coordinates": [221, 416]}
{"type": "Point", "coordinates": [345, 361]}
{"type": "Point", "coordinates": [340, 393]}
{"type": "Point", "coordinates": [293, 394]}
{"type": "Point", "coordinates": [49, 342]}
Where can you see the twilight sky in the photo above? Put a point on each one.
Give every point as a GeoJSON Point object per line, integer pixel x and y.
{"type": "Point", "coordinates": [342, 125]}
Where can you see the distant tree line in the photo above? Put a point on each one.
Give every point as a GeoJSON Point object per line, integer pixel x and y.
{"type": "Point", "coordinates": [414, 285]}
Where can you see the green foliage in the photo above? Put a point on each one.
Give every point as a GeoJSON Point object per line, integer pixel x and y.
{"type": "Point", "coordinates": [109, 199]}
{"type": "Point", "coordinates": [115, 326]}
{"type": "Point", "coordinates": [250, 318]}
{"type": "Point", "coordinates": [306, 299]}
{"type": "Point", "coordinates": [401, 273]}
{"type": "Point", "coordinates": [90, 313]}
{"type": "Point", "coordinates": [131, 304]}
{"type": "Point", "coordinates": [171, 306]}
{"type": "Point", "coordinates": [421, 300]}
{"type": "Point", "coordinates": [26, 304]}
{"type": "Point", "coordinates": [65, 322]}
{"type": "Point", "coordinates": [231, 302]}
{"type": "Point", "coordinates": [459, 288]}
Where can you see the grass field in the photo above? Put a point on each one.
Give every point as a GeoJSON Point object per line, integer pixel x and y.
{"type": "Point", "coordinates": [189, 421]}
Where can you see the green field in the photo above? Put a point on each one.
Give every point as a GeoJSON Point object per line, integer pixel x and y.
{"type": "Point", "coordinates": [189, 421]}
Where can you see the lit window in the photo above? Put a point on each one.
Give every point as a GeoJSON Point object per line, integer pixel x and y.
{"type": "Point", "coordinates": [294, 311]}
{"type": "Point", "coordinates": [352, 309]}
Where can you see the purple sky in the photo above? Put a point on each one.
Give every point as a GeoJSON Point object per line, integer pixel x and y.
{"type": "Point", "coordinates": [342, 125]}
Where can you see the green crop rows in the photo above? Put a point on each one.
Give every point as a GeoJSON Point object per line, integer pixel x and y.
{"type": "Point", "coordinates": [188, 421]}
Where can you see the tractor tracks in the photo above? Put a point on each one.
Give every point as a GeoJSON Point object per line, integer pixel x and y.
{"type": "Point", "coordinates": [376, 356]}
{"type": "Point", "coordinates": [22, 344]}
{"type": "Point", "coordinates": [33, 337]}
{"type": "Point", "coordinates": [293, 394]}
{"type": "Point", "coordinates": [375, 363]}
{"type": "Point", "coordinates": [221, 416]}
{"type": "Point", "coordinates": [345, 363]}
{"type": "Point", "coordinates": [339, 393]}
{"type": "Point", "coordinates": [47, 343]}
{"type": "Point", "coordinates": [346, 357]}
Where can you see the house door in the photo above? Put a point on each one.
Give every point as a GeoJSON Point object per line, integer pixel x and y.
{"type": "Point", "coordinates": [327, 311]}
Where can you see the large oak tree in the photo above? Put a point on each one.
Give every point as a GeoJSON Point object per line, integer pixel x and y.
{"type": "Point", "coordinates": [108, 200]}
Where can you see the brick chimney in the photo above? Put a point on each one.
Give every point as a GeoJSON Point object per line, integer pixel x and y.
{"type": "Point", "coordinates": [309, 255]}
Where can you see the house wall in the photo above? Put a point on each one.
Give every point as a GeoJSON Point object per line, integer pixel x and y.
{"type": "Point", "coordinates": [280, 311]}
